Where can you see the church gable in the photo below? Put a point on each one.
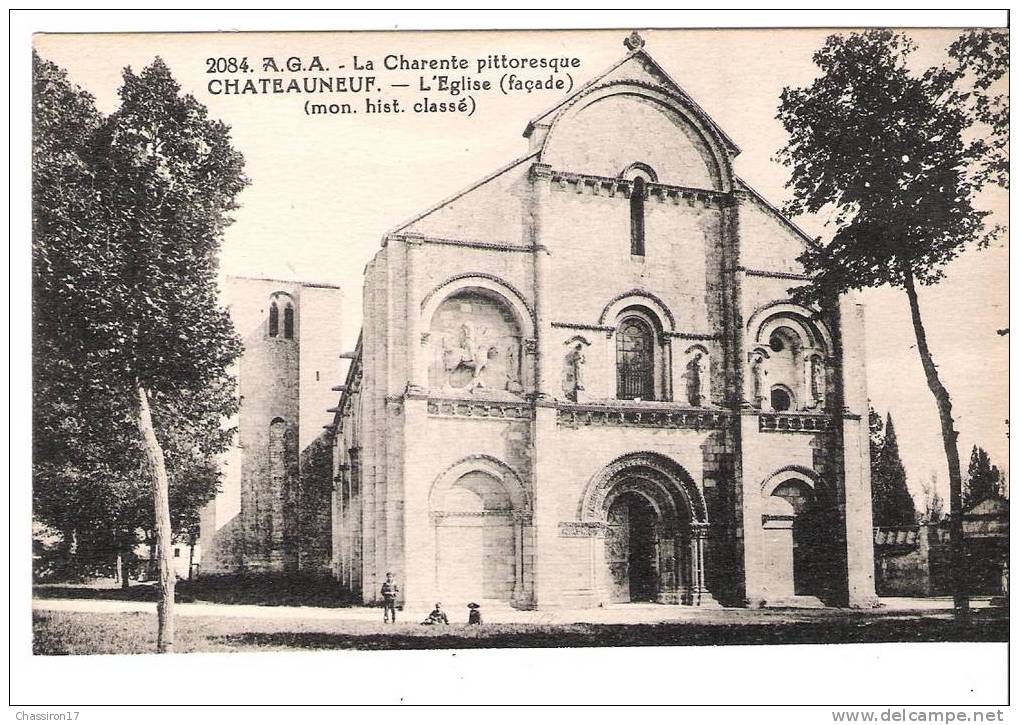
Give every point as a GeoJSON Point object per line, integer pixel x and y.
{"type": "Point", "coordinates": [490, 211]}
{"type": "Point", "coordinates": [635, 113]}
{"type": "Point", "coordinates": [636, 69]}
{"type": "Point", "coordinates": [632, 115]}
{"type": "Point", "coordinates": [618, 126]}
{"type": "Point", "coordinates": [768, 240]}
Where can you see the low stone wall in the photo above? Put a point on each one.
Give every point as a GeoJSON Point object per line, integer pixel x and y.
{"type": "Point", "coordinates": [915, 561]}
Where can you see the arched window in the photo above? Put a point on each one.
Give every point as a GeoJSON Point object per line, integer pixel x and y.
{"type": "Point", "coordinates": [274, 319]}
{"type": "Point", "coordinates": [791, 349]}
{"type": "Point", "coordinates": [635, 361]}
{"type": "Point", "coordinates": [288, 321]}
{"type": "Point", "coordinates": [277, 452]}
{"type": "Point", "coordinates": [637, 217]}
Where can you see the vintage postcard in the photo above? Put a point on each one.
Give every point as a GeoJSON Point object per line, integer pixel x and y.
{"type": "Point", "coordinates": [520, 339]}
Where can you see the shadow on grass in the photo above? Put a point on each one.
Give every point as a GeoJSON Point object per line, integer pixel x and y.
{"type": "Point", "coordinates": [135, 593]}
{"type": "Point", "coordinates": [979, 629]}
{"type": "Point", "coordinates": [267, 591]}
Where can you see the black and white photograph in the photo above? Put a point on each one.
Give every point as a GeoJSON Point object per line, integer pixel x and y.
{"type": "Point", "coordinates": [359, 346]}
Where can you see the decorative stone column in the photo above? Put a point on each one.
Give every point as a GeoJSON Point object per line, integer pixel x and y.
{"type": "Point", "coordinates": [546, 585]}
{"type": "Point", "coordinates": [541, 179]}
{"type": "Point", "coordinates": [667, 360]}
{"type": "Point", "coordinates": [518, 560]}
{"type": "Point", "coordinates": [808, 374]}
{"type": "Point", "coordinates": [417, 366]}
{"type": "Point", "coordinates": [699, 594]}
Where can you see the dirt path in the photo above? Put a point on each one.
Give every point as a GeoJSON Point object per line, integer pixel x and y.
{"type": "Point", "coordinates": [616, 614]}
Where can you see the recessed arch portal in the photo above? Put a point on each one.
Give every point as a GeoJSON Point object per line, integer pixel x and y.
{"type": "Point", "coordinates": [646, 465]}
{"type": "Point", "coordinates": [655, 522]}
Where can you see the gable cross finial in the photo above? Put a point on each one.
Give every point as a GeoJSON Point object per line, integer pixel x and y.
{"type": "Point", "coordinates": [634, 41]}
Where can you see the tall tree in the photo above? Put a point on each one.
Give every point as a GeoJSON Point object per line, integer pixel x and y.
{"type": "Point", "coordinates": [933, 504]}
{"type": "Point", "coordinates": [139, 325]}
{"type": "Point", "coordinates": [876, 428]}
{"type": "Point", "coordinates": [982, 479]}
{"type": "Point", "coordinates": [74, 483]}
{"type": "Point", "coordinates": [896, 158]}
{"type": "Point", "coordinates": [892, 503]}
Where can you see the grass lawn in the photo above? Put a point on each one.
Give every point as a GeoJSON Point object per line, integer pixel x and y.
{"type": "Point", "coordinates": [57, 633]}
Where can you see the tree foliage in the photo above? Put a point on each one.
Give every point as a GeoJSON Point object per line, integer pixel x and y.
{"type": "Point", "coordinates": [982, 57]}
{"type": "Point", "coordinates": [891, 501]}
{"type": "Point", "coordinates": [128, 214]}
{"type": "Point", "coordinates": [886, 152]}
{"type": "Point", "coordinates": [983, 480]}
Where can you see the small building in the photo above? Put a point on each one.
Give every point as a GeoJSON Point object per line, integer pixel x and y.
{"type": "Point", "coordinates": [583, 380]}
{"type": "Point", "coordinates": [186, 561]}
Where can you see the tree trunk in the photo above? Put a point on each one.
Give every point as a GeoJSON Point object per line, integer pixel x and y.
{"type": "Point", "coordinates": [124, 560]}
{"type": "Point", "coordinates": [164, 534]}
{"type": "Point", "coordinates": [950, 438]}
{"type": "Point", "coordinates": [151, 568]}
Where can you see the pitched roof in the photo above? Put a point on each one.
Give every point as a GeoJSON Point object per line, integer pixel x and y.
{"type": "Point", "coordinates": [773, 210]}
{"type": "Point", "coordinates": [463, 192]}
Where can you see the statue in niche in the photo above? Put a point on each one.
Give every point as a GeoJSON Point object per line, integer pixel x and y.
{"type": "Point", "coordinates": [575, 371]}
{"type": "Point", "coordinates": [695, 379]}
{"type": "Point", "coordinates": [513, 384]}
{"type": "Point", "coordinates": [469, 356]}
{"type": "Point", "coordinates": [757, 377]}
{"type": "Point", "coordinates": [817, 380]}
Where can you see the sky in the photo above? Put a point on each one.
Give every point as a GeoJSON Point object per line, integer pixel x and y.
{"type": "Point", "coordinates": [326, 188]}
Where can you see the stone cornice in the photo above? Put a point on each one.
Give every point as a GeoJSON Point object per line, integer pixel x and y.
{"type": "Point", "coordinates": [499, 246]}
{"type": "Point", "coordinates": [438, 517]}
{"type": "Point", "coordinates": [650, 414]}
{"type": "Point", "coordinates": [610, 329]}
{"type": "Point", "coordinates": [612, 186]}
{"type": "Point", "coordinates": [584, 326]}
{"type": "Point", "coordinates": [480, 409]}
{"type": "Point", "coordinates": [693, 335]}
{"type": "Point", "coordinates": [775, 275]}
{"type": "Point", "coordinates": [795, 423]}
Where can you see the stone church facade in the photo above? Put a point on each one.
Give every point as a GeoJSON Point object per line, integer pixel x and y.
{"type": "Point", "coordinates": [583, 380]}
{"type": "Point", "coordinates": [273, 514]}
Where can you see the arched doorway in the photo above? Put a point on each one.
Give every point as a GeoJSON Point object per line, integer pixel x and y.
{"type": "Point", "coordinates": [797, 537]}
{"type": "Point", "coordinates": [479, 511]}
{"type": "Point", "coordinates": [475, 541]}
{"type": "Point", "coordinates": [655, 527]}
{"type": "Point", "coordinates": [631, 546]}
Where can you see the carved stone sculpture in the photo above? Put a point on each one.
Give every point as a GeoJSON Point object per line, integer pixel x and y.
{"type": "Point", "coordinates": [575, 371]}
{"type": "Point", "coordinates": [817, 380]}
{"type": "Point", "coordinates": [694, 380]}
{"type": "Point", "coordinates": [757, 378]}
{"type": "Point", "coordinates": [470, 356]}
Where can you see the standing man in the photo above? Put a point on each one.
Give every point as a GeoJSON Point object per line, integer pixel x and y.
{"type": "Point", "coordinates": [389, 592]}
